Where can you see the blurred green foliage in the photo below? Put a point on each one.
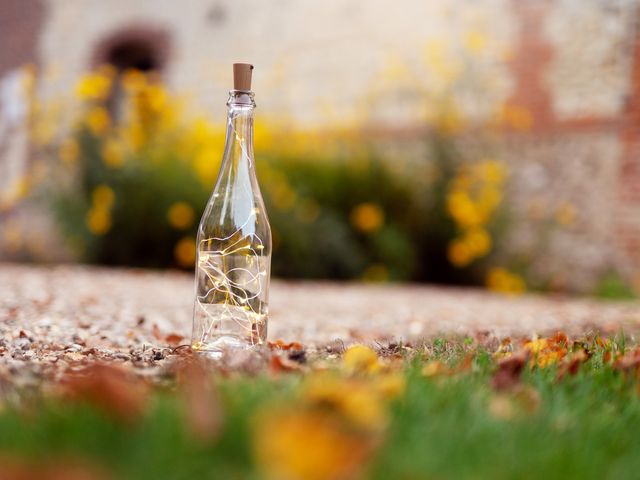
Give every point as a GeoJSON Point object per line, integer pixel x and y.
{"type": "Point", "coordinates": [128, 185]}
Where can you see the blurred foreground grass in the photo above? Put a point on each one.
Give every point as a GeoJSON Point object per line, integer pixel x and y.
{"type": "Point", "coordinates": [544, 408]}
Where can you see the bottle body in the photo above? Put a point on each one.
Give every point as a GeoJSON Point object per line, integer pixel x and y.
{"type": "Point", "coordinates": [233, 246]}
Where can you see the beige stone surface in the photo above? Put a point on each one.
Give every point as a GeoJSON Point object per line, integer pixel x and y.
{"type": "Point", "coordinates": [127, 309]}
{"type": "Point", "coordinates": [57, 320]}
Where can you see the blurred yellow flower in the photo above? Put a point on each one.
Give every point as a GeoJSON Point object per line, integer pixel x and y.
{"type": "Point", "coordinates": [112, 153]}
{"type": "Point", "coordinates": [355, 401]}
{"type": "Point", "coordinates": [463, 210]}
{"type": "Point", "coordinates": [376, 273]}
{"type": "Point", "coordinates": [133, 80]}
{"type": "Point", "coordinates": [492, 171]}
{"type": "Point", "coordinates": [185, 252]}
{"type": "Point", "coordinates": [449, 120]}
{"type": "Point", "coordinates": [489, 198]}
{"type": "Point", "coordinates": [367, 217]}
{"type": "Point", "coordinates": [12, 236]}
{"type": "Point", "coordinates": [134, 135]}
{"type": "Point", "coordinates": [435, 368]}
{"type": "Point", "coordinates": [307, 445]}
{"type": "Point", "coordinates": [307, 211]}
{"type": "Point", "coordinates": [283, 196]}
{"type": "Point", "coordinates": [98, 120]}
{"type": "Point", "coordinates": [390, 385]}
{"type": "Point", "coordinates": [205, 166]}
{"type": "Point", "coordinates": [103, 197]}
{"type": "Point", "coordinates": [566, 214]}
{"type": "Point", "coordinates": [43, 131]}
{"type": "Point", "coordinates": [477, 241]}
{"type": "Point", "coordinates": [94, 86]}
{"type": "Point", "coordinates": [98, 220]}
{"type": "Point", "coordinates": [475, 41]}
{"type": "Point", "coordinates": [156, 97]}
{"type": "Point", "coordinates": [180, 215]}
{"type": "Point", "coordinates": [501, 280]}
{"type": "Point", "coordinates": [516, 117]}
{"type": "Point", "coordinates": [69, 151]}
{"type": "Point", "coordinates": [360, 359]}
{"type": "Point", "coordinates": [443, 68]}
{"type": "Point", "coordinates": [459, 253]}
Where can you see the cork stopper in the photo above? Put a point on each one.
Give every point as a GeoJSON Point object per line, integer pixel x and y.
{"type": "Point", "coordinates": [242, 76]}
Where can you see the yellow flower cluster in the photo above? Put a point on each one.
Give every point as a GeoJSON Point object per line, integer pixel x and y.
{"type": "Point", "coordinates": [336, 424]}
{"type": "Point", "coordinates": [472, 199]}
{"type": "Point", "coordinates": [96, 86]}
{"type": "Point", "coordinates": [98, 218]}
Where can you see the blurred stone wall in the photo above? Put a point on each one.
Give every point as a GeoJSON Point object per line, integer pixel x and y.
{"type": "Point", "coordinates": [569, 68]}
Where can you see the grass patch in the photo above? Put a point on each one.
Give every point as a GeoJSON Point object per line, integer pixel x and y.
{"type": "Point", "coordinates": [433, 411]}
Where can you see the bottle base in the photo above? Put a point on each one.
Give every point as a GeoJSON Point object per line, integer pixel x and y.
{"type": "Point", "coordinates": [223, 345]}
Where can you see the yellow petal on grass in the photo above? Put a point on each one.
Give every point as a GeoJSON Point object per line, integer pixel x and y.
{"type": "Point", "coordinates": [309, 445]}
{"type": "Point", "coordinates": [357, 401]}
{"type": "Point", "coordinates": [390, 385]}
{"type": "Point", "coordinates": [435, 368]}
{"type": "Point", "coordinates": [360, 359]}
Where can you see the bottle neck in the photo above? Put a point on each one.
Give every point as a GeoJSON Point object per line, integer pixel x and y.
{"type": "Point", "coordinates": [239, 141]}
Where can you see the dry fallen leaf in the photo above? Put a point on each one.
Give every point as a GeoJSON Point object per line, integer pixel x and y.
{"type": "Point", "coordinates": [108, 387]}
{"type": "Point", "coordinates": [509, 369]}
{"type": "Point", "coordinates": [156, 332]}
{"type": "Point", "coordinates": [630, 362]}
{"type": "Point", "coordinates": [573, 365]}
{"type": "Point", "coordinates": [14, 469]}
{"type": "Point", "coordinates": [435, 368]}
{"type": "Point", "coordinates": [201, 403]}
{"type": "Point", "coordinates": [281, 345]}
{"type": "Point", "coordinates": [279, 364]}
{"type": "Point", "coordinates": [519, 400]}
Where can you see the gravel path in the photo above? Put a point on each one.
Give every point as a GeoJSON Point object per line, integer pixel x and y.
{"type": "Point", "coordinates": [53, 317]}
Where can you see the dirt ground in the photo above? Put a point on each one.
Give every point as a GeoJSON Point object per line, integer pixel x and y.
{"type": "Point", "coordinates": [52, 318]}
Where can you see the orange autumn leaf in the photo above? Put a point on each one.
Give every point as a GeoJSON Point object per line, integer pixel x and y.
{"type": "Point", "coordinates": [281, 345]}
{"type": "Point", "coordinates": [279, 364]}
{"type": "Point", "coordinates": [174, 339]}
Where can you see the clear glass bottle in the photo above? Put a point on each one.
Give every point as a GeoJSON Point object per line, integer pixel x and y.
{"type": "Point", "coordinates": [234, 241]}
